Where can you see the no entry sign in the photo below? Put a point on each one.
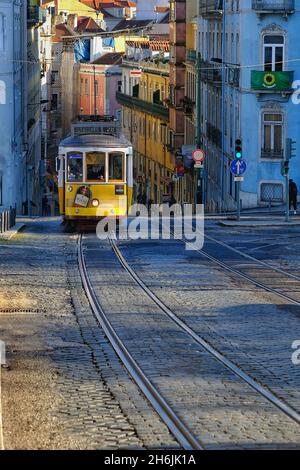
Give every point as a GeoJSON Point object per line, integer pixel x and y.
{"type": "Point", "coordinates": [198, 156]}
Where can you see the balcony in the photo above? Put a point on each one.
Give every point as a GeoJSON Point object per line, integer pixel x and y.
{"type": "Point", "coordinates": [272, 154]}
{"type": "Point", "coordinates": [133, 102]}
{"type": "Point", "coordinates": [273, 6]}
{"type": "Point", "coordinates": [210, 8]}
{"type": "Point", "coordinates": [211, 72]}
{"type": "Point", "coordinates": [188, 106]}
{"type": "Point", "coordinates": [272, 82]}
{"type": "Point", "coordinates": [35, 15]}
{"type": "Point", "coordinates": [191, 55]}
{"type": "Point", "coordinates": [232, 75]}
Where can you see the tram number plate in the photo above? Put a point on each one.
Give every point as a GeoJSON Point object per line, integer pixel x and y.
{"type": "Point", "coordinates": [81, 200]}
{"type": "Point", "coordinates": [119, 189]}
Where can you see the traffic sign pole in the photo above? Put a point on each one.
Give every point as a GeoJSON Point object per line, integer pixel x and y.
{"type": "Point", "coordinates": [238, 192]}
{"type": "Point", "coordinates": [238, 167]}
{"type": "Point", "coordinates": [287, 190]}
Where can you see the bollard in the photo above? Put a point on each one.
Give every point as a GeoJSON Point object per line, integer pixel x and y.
{"type": "Point", "coordinates": [2, 354]}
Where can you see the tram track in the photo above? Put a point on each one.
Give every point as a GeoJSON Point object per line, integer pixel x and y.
{"type": "Point", "coordinates": [263, 391]}
{"type": "Point", "coordinates": [254, 281]}
{"type": "Point", "coordinates": [177, 427]}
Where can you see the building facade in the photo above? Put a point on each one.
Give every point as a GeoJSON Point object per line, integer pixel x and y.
{"type": "Point", "coordinates": [249, 52]}
{"type": "Point", "coordinates": [145, 117]}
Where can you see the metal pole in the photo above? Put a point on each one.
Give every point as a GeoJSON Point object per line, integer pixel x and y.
{"type": "Point", "coordinates": [287, 189]}
{"type": "Point", "coordinates": [199, 189]}
{"type": "Point", "coordinates": [238, 189]}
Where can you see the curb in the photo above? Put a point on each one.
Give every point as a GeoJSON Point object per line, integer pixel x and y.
{"type": "Point", "coordinates": [12, 232]}
{"type": "Point", "coordinates": [259, 223]}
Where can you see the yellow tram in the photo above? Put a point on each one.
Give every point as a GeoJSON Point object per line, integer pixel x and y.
{"type": "Point", "coordinates": [95, 177]}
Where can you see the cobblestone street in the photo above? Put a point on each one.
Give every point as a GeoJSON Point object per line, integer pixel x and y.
{"type": "Point", "coordinates": [64, 387]}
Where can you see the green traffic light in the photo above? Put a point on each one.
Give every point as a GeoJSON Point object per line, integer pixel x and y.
{"type": "Point", "coordinates": [238, 155]}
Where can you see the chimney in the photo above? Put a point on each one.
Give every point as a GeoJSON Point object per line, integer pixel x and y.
{"type": "Point", "coordinates": [72, 21]}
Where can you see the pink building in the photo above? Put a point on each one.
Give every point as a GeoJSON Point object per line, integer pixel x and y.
{"type": "Point", "coordinates": [98, 82]}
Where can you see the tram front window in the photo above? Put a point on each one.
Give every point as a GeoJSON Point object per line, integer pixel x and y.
{"type": "Point", "coordinates": [116, 166]}
{"type": "Point", "coordinates": [74, 167]}
{"type": "Point", "coordinates": [95, 166]}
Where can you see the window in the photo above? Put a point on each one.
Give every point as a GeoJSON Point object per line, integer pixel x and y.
{"type": "Point", "coordinates": [54, 101]}
{"type": "Point", "coordinates": [271, 192]}
{"type": "Point", "coordinates": [74, 167]}
{"type": "Point", "coordinates": [116, 166]}
{"type": "Point", "coordinates": [272, 136]}
{"type": "Point", "coordinates": [273, 53]}
{"type": "Point", "coordinates": [2, 92]}
{"type": "Point", "coordinates": [86, 87]}
{"type": "Point", "coordinates": [2, 32]}
{"type": "Point", "coordinates": [95, 166]}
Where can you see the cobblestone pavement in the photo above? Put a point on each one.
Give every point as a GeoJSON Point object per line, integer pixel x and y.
{"type": "Point", "coordinates": [64, 388]}
{"type": "Point", "coordinates": [220, 409]}
{"type": "Point", "coordinates": [252, 328]}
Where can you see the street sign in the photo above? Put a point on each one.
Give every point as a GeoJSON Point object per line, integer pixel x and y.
{"type": "Point", "coordinates": [239, 179]}
{"type": "Point", "coordinates": [238, 167]}
{"type": "Point", "coordinates": [198, 165]}
{"type": "Point", "coordinates": [198, 155]}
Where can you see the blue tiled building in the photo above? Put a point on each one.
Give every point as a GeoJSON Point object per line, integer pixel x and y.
{"type": "Point", "coordinates": [250, 62]}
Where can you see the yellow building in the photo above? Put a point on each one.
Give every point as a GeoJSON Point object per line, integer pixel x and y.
{"type": "Point", "coordinates": [186, 187]}
{"type": "Point", "coordinates": [71, 7]}
{"type": "Point", "coordinates": [145, 118]}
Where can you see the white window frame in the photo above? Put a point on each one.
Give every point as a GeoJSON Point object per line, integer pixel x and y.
{"type": "Point", "coordinates": [273, 46]}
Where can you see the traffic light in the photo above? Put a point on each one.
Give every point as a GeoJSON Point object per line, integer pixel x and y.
{"type": "Point", "coordinates": [238, 149]}
{"type": "Point", "coordinates": [290, 149]}
{"type": "Point", "coordinates": [285, 168]}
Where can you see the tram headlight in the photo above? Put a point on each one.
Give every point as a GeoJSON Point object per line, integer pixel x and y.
{"type": "Point", "coordinates": [95, 203]}
{"type": "Point", "coordinates": [70, 189]}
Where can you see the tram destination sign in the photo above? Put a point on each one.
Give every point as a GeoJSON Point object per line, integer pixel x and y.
{"type": "Point", "coordinates": [95, 128]}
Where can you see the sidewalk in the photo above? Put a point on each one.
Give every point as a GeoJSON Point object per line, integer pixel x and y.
{"type": "Point", "coordinates": [259, 217]}
{"type": "Point", "coordinates": [261, 222]}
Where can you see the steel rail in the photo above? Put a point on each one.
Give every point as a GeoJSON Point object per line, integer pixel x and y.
{"type": "Point", "coordinates": [250, 279]}
{"type": "Point", "coordinates": [289, 411]}
{"type": "Point", "coordinates": [245, 255]}
{"type": "Point", "coordinates": [176, 426]}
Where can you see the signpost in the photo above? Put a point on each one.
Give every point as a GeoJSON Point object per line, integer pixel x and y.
{"type": "Point", "coordinates": [290, 152]}
{"type": "Point", "coordinates": [238, 168]}
{"type": "Point", "coordinates": [199, 156]}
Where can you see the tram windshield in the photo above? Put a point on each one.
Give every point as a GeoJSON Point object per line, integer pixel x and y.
{"type": "Point", "coordinates": [116, 166]}
{"type": "Point", "coordinates": [95, 166]}
{"type": "Point", "coordinates": [74, 167]}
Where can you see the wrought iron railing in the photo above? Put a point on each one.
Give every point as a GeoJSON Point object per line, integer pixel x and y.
{"type": "Point", "coordinates": [273, 5]}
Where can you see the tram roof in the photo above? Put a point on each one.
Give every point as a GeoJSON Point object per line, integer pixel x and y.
{"type": "Point", "coordinates": [92, 140]}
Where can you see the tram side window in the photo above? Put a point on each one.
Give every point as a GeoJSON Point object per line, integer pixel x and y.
{"type": "Point", "coordinates": [75, 167]}
{"type": "Point", "coordinates": [116, 166]}
{"type": "Point", "coordinates": [95, 166]}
